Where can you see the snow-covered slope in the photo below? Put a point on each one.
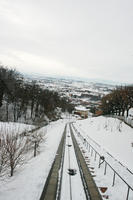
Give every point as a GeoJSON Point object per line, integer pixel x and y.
{"type": "Point", "coordinates": [107, 135]}
{"type": "Point", "coordinates": [111, 134]}
{"type": "Point", "coordinates": [14, 127]}
{"type": "Point", "coordinates": [28, 181]}
{"type": "Point", "coordinates": [111, 140]}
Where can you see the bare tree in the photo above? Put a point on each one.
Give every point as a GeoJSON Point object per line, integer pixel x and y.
{"type": "Point", "coordinates": [118, 101]}
{"type": "Point", "coordinates": [3, 158]}
{"type": "Point", "coordinates": [36, 138]}
{"type": "Point", "coordinates": [14, 146]}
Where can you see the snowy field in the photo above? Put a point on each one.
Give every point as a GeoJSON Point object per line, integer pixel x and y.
{"type": "Point", "coordinates": [111, 134]}
{"type": "Point", "coordinates": [28, 181]}
{"type": "Point", "coordinates": [14, 128]}
{"type": "Point", "coordinates": [112, 139]}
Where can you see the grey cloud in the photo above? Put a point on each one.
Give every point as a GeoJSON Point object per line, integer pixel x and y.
{"type": "Point", "coordinates": [88, 38]}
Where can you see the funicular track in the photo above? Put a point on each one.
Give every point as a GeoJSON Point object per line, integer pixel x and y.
{"type": "Point", "coordinates": [53, 180]}
{"type": "Point", "coordinates": [88, 182]}
{"type": "Point", "coordinates": [60, 179]}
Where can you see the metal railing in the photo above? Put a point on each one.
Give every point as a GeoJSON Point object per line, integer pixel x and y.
{"type": "Point", "coordinates": [127, 120]}
{"type": "Point", "coordinates": [101, 160]}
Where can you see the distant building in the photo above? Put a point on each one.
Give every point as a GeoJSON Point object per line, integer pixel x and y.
{"type": "Point", "coordinates": [82, 111]}
{"type": "Point", "coordinates": [98, 112]}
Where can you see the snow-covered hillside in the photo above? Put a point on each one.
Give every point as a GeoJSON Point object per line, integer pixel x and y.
{"type": "Point", "coordinates": [28, 180]}
{"type": "Point", "coordinates": [111, 134]}
{"type": "Point", "coordinates": [14, 128]}
{"type": "Point", "coordinates": [111, 139]}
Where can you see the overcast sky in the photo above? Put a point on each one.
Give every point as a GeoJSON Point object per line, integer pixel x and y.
{"type": "Point", "coordinates": [83, 38]}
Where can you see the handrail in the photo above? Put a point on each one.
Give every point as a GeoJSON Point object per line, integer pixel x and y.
{"type": "Point", "coordinates": [115, 172]}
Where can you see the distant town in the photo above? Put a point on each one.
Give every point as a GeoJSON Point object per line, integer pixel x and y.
{"type": "Point", "coordinates": [83, 94]}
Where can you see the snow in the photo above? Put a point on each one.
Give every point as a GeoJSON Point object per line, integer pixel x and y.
{"type": "Point", "coordinates": [28, 182]}
{"type": "Point", "coordinates": [70, 162]}
{"type": "Point", "coordinates": [13, 128]}
{"type": "Point", "coordinates": [81, 108]}
{"type": "Point", "coordinates": [131, 112]}
{"type": "Point", "coordinates": [112, 139]}
{"type": "Point", "coordinates": [112, 134]}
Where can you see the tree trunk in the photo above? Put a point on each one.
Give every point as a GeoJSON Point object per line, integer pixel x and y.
{"type": "Point", "coordinates": [32, 106]}
{"type": "Point", "coordinates": [123, 112]}
{"type": "Point", "coordinates": [14, 111]}
{"type": "Point", "coordinates": [7, 111]}
{"type": "Point", "coordinates": [35, 147]}
{"type": "Point", "coordinates": [12, 170]}
{"type": "Point", "coordinates": [127, 112]}
{"type": "Point", "coordinates": [25, 116]}
{"type": "Point", "coordinates": [36, 110]}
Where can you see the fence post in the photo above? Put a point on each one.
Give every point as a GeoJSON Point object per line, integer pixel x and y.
{"type": "Point", "coordinates": [95, 155]}
{"type": "Point", "coordinates": [113, 179]}
{"type": "Point", "coordinates": [105, 168]}
{"type": "Point", "coordinates": [99, 162]}
{"type": "Point", "coordinates": [128, 193]}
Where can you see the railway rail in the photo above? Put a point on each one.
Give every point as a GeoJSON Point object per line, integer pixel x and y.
{"type": "Point", "coordinates": [69, 177]}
